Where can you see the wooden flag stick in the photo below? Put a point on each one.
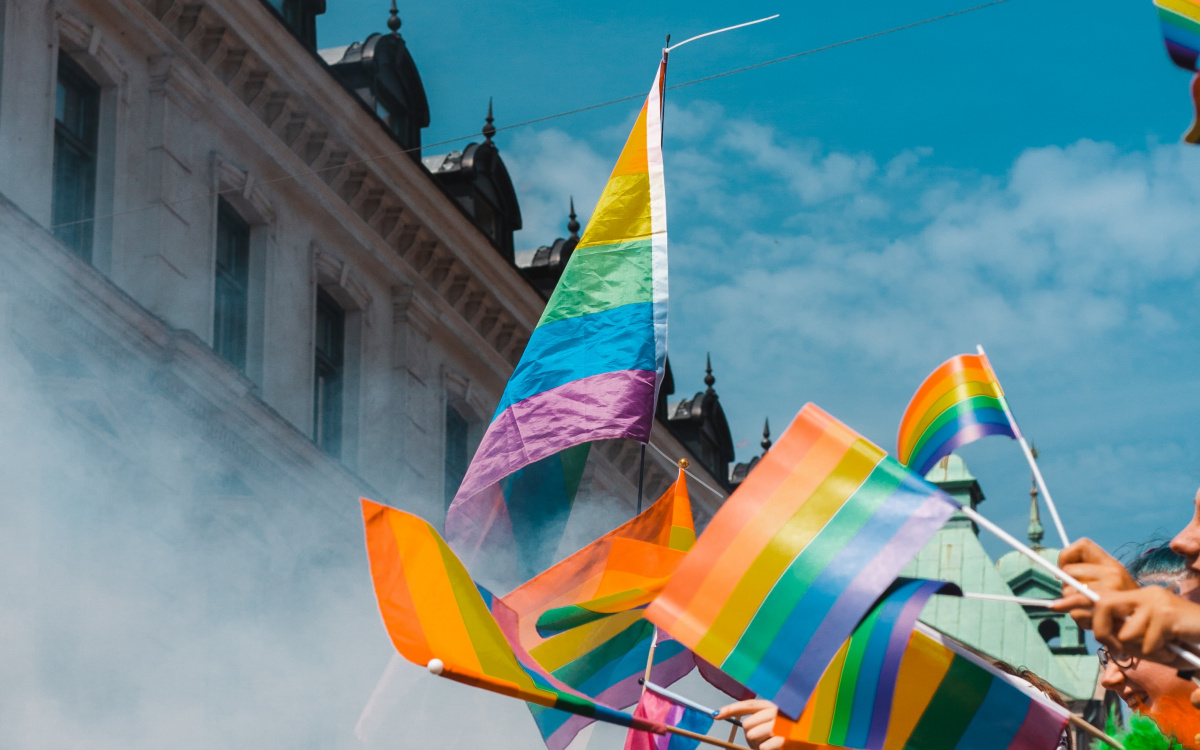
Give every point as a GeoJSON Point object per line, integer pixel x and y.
{"type": "Point", "coordinates": [1185, 654]}
{"type": "Point", "coordinates": [548, 699]}
{"type": "Point", "coordinates": [1033, 465]}
{"type": "Point", "coordinates": [701, 737]}
{"type": "Point", "coordinates": [650, 660]}
{"type": "Point", "coordinates": [1086, 727]}
{"type": "Point", "coordinates": [733, 733]}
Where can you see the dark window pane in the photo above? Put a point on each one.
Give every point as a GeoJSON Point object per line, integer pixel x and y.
{"type": "Point", "coordinates": [456, 452]}
{"type": "Point", "coordinates": [76, 122]}
{"type": "Point", "coordinates": [327, 386]}
{"type": "Point", "coordinates": [231, 298]}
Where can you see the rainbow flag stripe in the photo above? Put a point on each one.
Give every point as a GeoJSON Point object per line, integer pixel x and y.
{"type": "Point", "coordinates": [944, 698]}
{"type": "Point", "coordinates": [593, 365]}
{"type": "Point", "coordinates": [1180, 22]}
{"type": "Point", "coordinates": [432, 610]}
{"type": "Point", "coordinates": [960, 402]}
{"type": "Point", "coordinates": [853, 700]}
{"type": "Point", "coordinates": [797, 556]}
{"type": "Point", "coordinates": [581, 623]}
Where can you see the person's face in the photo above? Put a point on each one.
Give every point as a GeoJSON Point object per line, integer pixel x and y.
{"type": "Point", "coordinates": [1144, 683]}
{"type": "Point", "coordinates": [1158, 692]}
{"type": "Point", "coordinates": [1187, 544]}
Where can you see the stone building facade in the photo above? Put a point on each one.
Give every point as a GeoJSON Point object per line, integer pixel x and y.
{"type": "Point", "coordinates": [234, 297]}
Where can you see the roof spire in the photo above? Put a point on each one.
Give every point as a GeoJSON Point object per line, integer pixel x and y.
{"type": "Point", "coordinates": [573, 224]}
{"type": "Point", "coordinates": [394, 21]}
{"type": "Point", "coordinates": [489, 129]}
{"type": "Point", "coordinates": [1036, 532]}
{"type": "Point", "coordinates": [708, 377]}
{"type": "Point", "coordinates": [766, 441]}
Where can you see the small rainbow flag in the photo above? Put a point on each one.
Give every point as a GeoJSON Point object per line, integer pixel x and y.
{"type": "Point", "coordinates": [959, 403]}
{"type": "Point", "coordinates": [943, 697]}
{"type": "Point", "coordinates": [1180, 22]}
{"type": "Point", "coordinates": [797, 556]}
{"type": "Point", "coordinates": [437, 617]}
{"type": "Point", "coordinates": [592, 367]}
{"type": "Point", "coordinates": [582, 621]}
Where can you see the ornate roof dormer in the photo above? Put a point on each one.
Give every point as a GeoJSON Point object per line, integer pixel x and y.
{"type": "Point", "coordinates": [544, 266]}
{"type": "Point", "coordinates": [699, 423]}
{"type": "Point", "coordinates": [740, 471]}
{"type": "Point", "coordinates": [478, 180]}
{"type": "Point", "coordinates": [383, 74]}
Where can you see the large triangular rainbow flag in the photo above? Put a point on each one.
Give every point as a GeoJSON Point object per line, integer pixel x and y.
{"type": "Point", "coordinates": [593, 365]}
{"type": "Point", "coordinates": [582, 620]}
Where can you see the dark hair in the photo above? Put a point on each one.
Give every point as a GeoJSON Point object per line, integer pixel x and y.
{"type": "Point", "coordinates": [1156, 564]}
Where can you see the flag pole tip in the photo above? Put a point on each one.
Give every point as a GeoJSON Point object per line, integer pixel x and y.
{"type": "Point", "coordinates": [435, 666]}
{"type": "Point", "coordinates": [684, 463]}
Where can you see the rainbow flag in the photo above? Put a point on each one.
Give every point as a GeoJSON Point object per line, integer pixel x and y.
{"type": "Point", "coordinates": [943, 697]}
{"type": "Point", "coordinates": [797, 556]}
{"type": "Point", "coordinates": [853, 700]}
{"type": "Point", "coordinates": [582, 621]}
{"type": "Point", "coordinates": [960, 402]}
{"type": "Point", "coordinates": [1180, 22]}
{"type": "Point", "coordinates": [437, 617]}
{"type": "Point", "coordinates": [594, 363]}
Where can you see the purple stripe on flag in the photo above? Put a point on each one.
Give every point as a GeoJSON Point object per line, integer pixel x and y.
{"type": "Point", "coordinates": [967, 434]}
{"type": "Point", "coordinates": [600, 407]}
{"type": "Point", "coordinates": [624, 693]}
{"type": "Point", "coordinates": [1041, 729]}
{"type": "Point", "coordinates": [856, 599]}
{"type": "Point", "coordinates": [890, 670]}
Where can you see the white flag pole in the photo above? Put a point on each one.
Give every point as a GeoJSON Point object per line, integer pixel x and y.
{"type": "Point", "coordinates": [1037, 472]}
{"type": "Point", "coordinates": [1062, 575]}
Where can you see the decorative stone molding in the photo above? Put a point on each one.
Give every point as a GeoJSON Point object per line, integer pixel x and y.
{"type": "Point", "coordinates": [408, 308]}
{"type": "Point", "coordinates": [334, 273]}
{"type": "Point", "coordinates": [237, 186]}
{"type": "Point", "coordinates": [179, 83]}
{"type": "Point", "coordinates": [350, 175]}
{"type": "Point", "coordinates": [85, 43]}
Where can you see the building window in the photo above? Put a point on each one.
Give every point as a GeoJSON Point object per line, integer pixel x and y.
{"type": "Point", "coordinates": [76, 124]}
{"type": "Point", "coordinates": [232, 295]}
{"type": "Point", "coordinates": [330, 372]}
{"type": "Point", "coordinates": [457, 429]}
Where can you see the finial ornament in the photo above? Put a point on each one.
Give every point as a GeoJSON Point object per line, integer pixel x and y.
{"type": "Point", "coordinates": [573, 224]}
{"type": "Point", "coordinates": [1036, 531]}
{"type": "Point", "coordinates": [766, 441]}
{"type": "Point", "coordinates": [489, 129]}
{"type": "Point", "coordinates": [684, 463]}
{"type": "Point", "coordinates": [394, 21]}
{"type": "Point", "coordinates": [708, 377]}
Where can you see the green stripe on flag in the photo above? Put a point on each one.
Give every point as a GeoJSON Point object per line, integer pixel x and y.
{"type": "Point", "coordinates": [952, 708]}
{"type": "Point", "coordinates": [848, 682]}
{"type": "Point", "coordinates": [601, 278]}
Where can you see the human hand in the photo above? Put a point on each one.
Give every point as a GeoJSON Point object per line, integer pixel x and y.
{"type": "Point", "coordinates": [759, 718]}
{"type": "Point", "coordinates": [1089, 564]}
{"type": "Point", "coordinates": [1144, 622]}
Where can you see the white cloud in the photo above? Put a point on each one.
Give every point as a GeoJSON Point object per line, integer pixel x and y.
{"type": "Point", "coordinates": [822, 275]}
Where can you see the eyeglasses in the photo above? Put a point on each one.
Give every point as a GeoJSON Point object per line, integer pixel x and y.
{"type": "Point", "coordinates": [1121, 660]}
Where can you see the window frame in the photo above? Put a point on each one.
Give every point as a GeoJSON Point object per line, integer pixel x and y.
{"type": "Point", "coordinates": [87, 144]}
{"type": "Point", "coordinates": [333, 363]}
{"type": "Point", "coordinates": [233, 226]}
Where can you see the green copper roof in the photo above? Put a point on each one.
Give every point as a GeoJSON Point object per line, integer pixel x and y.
{"type": "Point", "coordinates": [1002, 630]}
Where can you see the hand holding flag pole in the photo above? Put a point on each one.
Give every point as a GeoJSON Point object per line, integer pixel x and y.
{"type": "Point", "coordinates": [1033, 465]}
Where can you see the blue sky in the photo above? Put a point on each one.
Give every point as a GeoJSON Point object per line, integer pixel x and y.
{"type": "Point", "coordinates": [842, 223]}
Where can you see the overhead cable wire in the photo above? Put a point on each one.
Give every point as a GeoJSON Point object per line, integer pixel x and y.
{"type": "Point", "coordinates": [544, 118]}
